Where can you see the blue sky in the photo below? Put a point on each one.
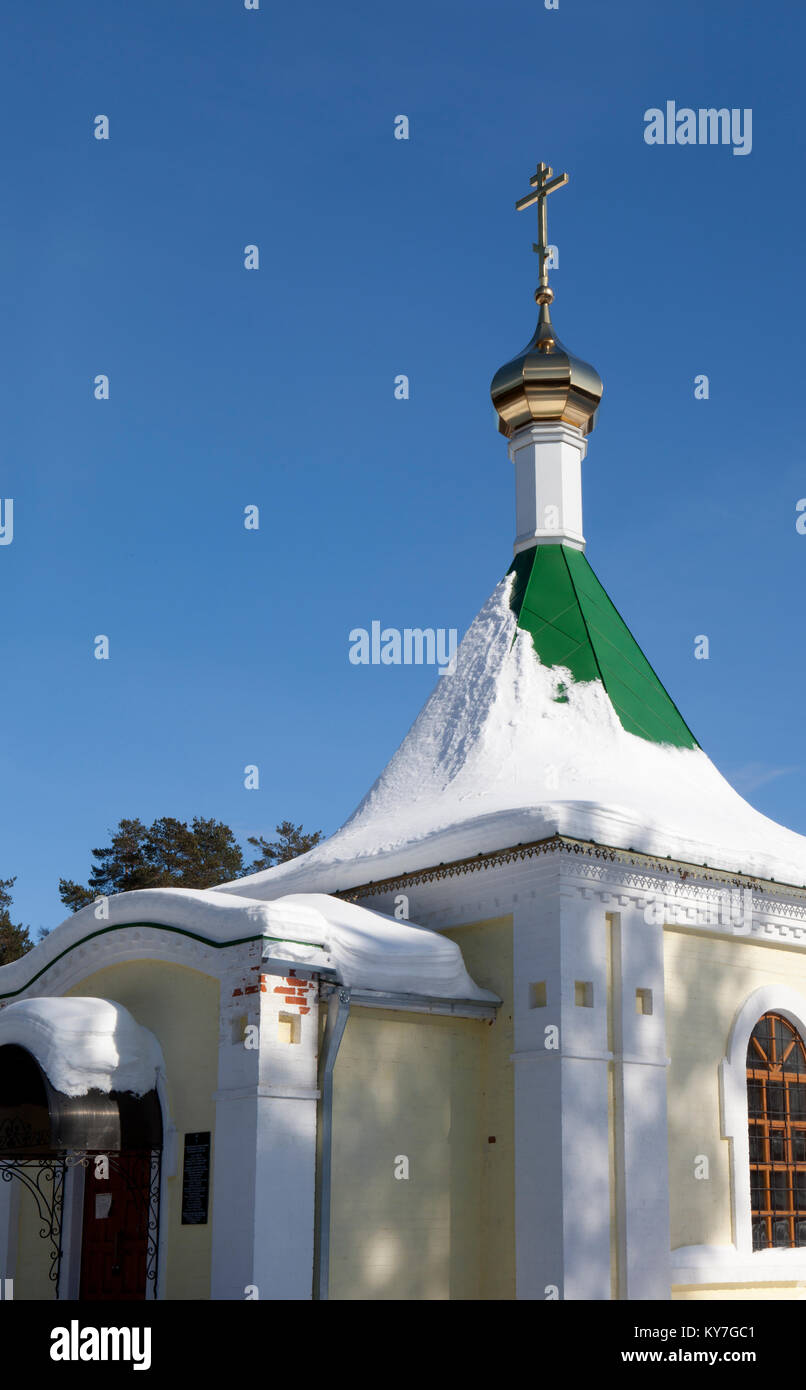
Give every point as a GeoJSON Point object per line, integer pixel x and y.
{"type": "Point", "coordinates": [275, 387]}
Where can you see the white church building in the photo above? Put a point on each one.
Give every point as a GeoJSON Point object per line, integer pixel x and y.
{"type": "Point", "coordinates": [530, 1025]}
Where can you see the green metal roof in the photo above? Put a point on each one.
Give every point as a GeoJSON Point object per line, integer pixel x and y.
{"type": "Point", "coordinates": [558, 599]}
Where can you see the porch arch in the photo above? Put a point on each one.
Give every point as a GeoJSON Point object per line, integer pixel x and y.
{"type": "Point", "coordinates": [79, 1103]}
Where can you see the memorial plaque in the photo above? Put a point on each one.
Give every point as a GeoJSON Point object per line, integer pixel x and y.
{"type": "Point", "coordinates": [196, 1179]}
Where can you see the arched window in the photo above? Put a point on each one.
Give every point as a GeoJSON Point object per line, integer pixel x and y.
{"type": "Point", "coordinates": [776, 1107]}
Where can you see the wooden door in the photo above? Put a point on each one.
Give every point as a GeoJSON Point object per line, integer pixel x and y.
{"type": "Point", "coordinates": [114, 1239]}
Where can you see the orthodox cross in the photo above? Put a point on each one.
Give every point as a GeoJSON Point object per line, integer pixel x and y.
{"type": "Point", "coordinates": [542, 184]}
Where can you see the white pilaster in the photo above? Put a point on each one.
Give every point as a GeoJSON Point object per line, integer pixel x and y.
{"type": "Point", "coordinates": [562, 1133]}
{"type": "Point", "coordinates": [639, 1101]}
{"type": "Point", "coordinates": [265, 1146]}
{"type": "Point", "coordinates": [548, 485]}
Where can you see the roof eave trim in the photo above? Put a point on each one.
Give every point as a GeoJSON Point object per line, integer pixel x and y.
{"type": "Point", "coordinates": [679, 868]}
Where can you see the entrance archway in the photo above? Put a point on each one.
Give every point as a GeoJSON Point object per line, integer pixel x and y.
{"type": "Point", "coordinates": [98, 1154]}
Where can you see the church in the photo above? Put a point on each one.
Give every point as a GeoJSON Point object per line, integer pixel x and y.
{"type": "Point", "coordinates": [530, 1025]}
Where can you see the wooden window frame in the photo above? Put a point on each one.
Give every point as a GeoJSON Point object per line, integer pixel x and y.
{"type": "Point", "coordinates": [777, 1134]}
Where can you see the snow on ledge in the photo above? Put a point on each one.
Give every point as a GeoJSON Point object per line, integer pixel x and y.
{"type": "Point", "coordinates": [84, 1044]}
{"type": "Point", "coordinates": [694, 1265]}
{"type": "Point", "coordinates": [365, 948]}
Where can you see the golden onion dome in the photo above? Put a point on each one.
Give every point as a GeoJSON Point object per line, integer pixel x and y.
{"type": "Point", "coordinates": [545, 382]}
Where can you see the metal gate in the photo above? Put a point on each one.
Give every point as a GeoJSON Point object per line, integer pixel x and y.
{"type": "Point", "coordinates": [44, 1178]}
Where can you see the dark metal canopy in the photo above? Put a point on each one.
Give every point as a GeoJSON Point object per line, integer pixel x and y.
{"type": "Point", "coordinates": [36, 1119]}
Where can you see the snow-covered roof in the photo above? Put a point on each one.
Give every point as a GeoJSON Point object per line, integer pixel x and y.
{"type": "Point", "coordinates": [363, 949]}
{"type": "Point", "coordinates": [509, 750]}
{"type": "Point", "coordinates": [370, 949]}
{"type": "Point", "coordinates": [84, 1044]}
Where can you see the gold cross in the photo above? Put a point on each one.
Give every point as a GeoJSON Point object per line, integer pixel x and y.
{"type": "Point", "coordinates": [542, 184]}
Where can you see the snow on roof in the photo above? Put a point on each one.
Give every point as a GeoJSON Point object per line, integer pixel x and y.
{"type": "Point", "coordinates": [378, 952]}
{"type": "Point", "coordinates": [364, 948]}
{"type": "Point", "coordinates": [506, 751]}
{"type": "Point", "coordinates": [84, 1044]}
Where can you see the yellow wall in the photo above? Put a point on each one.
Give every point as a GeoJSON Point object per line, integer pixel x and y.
{"type": "Point", "coordinates": [433, 1089]}
{"type": "Point", "coordinates": [181, 1008]}
{"type": "Point", "coordinates": [707, 980]}
{"type": "Point", "coordinates": [31, 1279]}
{"type": "Point", "coordinates": [487, 952]}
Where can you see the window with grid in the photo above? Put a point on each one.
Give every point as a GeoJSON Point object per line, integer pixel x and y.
{"type": "Point", "coordinates": [776, 1107]}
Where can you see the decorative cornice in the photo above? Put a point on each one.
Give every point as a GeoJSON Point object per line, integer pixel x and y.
{"type": "Point", "coordinates": [678, 870]}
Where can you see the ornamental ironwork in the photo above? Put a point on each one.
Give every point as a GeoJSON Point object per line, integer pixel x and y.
{"type": "Point", "coordinates": [45, 1177]}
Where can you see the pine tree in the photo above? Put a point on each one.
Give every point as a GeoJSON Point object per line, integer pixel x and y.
{"type": "Point", "coordinates": [15, 940]}
{"type": "Point", "coordinates": [169, 853]}
{"type": "Point", "coordinates": [166, 854]}
{"type": "Point", "coordinates": [292, 841]}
